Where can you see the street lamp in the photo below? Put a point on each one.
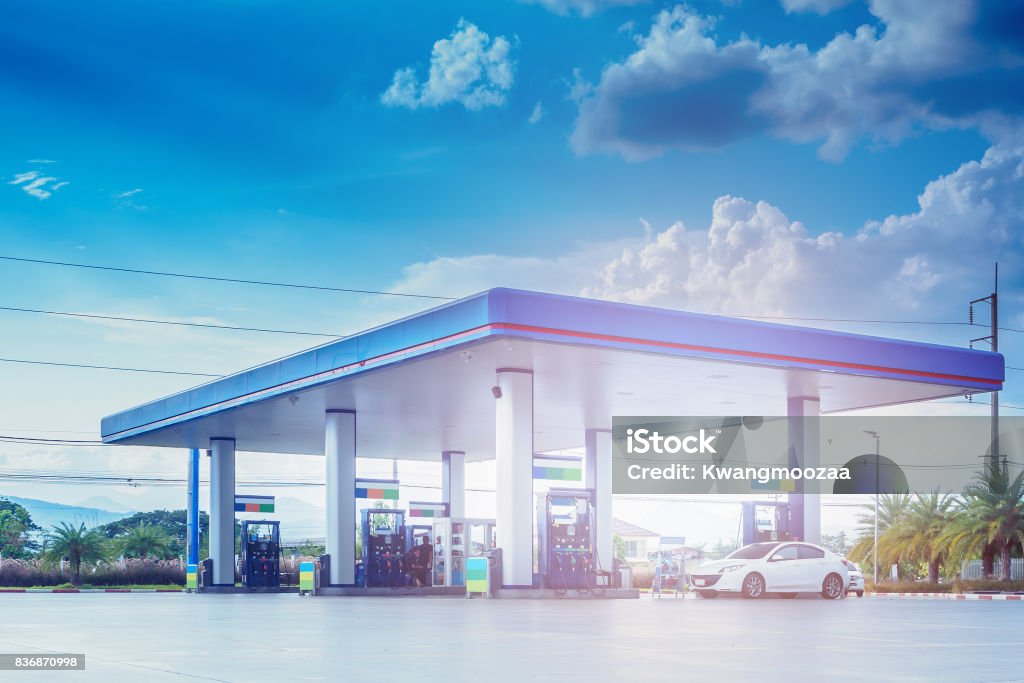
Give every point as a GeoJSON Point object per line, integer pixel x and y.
{"type": "Point", "coordinates": [878, 456]}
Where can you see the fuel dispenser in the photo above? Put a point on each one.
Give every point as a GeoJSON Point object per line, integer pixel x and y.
{"type": "Point", "coordinates": [384, 547]}
{"type": "Point", "coordinates": [455, 539]}
{"type": "Point", "coordinates": [765, 521]}
{"type": "Point", "coordinates": [565, 526]}
{"type": "Point", "coordinates": [261, 554]}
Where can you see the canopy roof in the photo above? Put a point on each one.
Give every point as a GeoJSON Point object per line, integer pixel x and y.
{"type": "Point", "coordinates": [421, 385]}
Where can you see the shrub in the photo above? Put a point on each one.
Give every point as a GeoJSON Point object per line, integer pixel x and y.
{"type": "Point", "coordinates": [643, 577]}
{"type": "Point", "coordinates": [954, 587]}
{"type": "Point", "coordinates": [987, 585]}
{"type": "Point", "coordinates": [28, 573]}
{"type": "Point", "coordinates": [907, 587]}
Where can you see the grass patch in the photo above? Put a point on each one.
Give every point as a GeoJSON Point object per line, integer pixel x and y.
{"type": "Point", "coordinates": [957, 586]}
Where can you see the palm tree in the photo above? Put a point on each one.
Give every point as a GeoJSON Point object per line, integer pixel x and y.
{"type": "Point", "coordinates": [912, 536]}
{"type": "Point", "coordinates": [989, 518]}
{"type": "Point", "coordinates": [891, 508]}
{"type": "Point", "coordinates": [76, 545]}
{"type": "Point", "coordinates": [144, 540]}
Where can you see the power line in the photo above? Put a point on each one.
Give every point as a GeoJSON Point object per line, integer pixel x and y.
{"type": "Point", "coordinates": [853, 320]}
{"type": "Point", "coordinates": [977, 403]}
{"type": "Point", "coordinates": [43, 440]}
{"type": "Point", "coordinates": [212, 278]}
{"type": "Point", "coordinates": [349, 290]}
{"type": "Point", "coordinates": [154, 321]}
{"type": "Point", "coordinates": [879, 322]}
{"type": "Point", "coordinates": [105, 367]}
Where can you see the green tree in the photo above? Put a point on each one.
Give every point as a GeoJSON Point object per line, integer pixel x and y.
{"type": "Point", "coordinates": [76, 545]}
{"type": "Point", "coordinates": [143, 541]}
{"type": "Point", "coordinates": [16, 527]}
{"type": "Point", "coordinates": [619, 547]}
{"type": "Point", "coordinates": [891, 507]}
{"type": "Point", "coordinates": [913, 536]}
{"type": "Point", "coordinates": [721, 549]}
{"type": "Point", "coordinates": [307, 549]}
{"type": "Point", "coordinates": [837, 543]}
{"type": "Point", "coordinates": [172, 522]}
{"type": "Point", "coordinates": [989, 519]}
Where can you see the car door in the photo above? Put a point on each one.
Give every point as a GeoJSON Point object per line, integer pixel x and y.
{"type": "Point", "coordinates": [812, 567]}
{"type": "Point", "coordinates": [782, 568]}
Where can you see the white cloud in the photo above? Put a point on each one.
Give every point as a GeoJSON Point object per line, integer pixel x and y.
{"type": "Point", "coordinates": [537, 114]}
{"type": "Point", "coordinates": [754, 259]}
{"type": "Point", "coordinates": [38, 185]}
{"type": "Point", "coordinates": [129, 199]}
{"type": "Point", "coordinates": [816, 6]}
{"type": "Point", "coordinates": [579, 88]}
{"type": "Point", "coordinates": [933, 65]}
{"type": "Point", "coordinates": [467, 67]}
{"type": "Point", "coordinates": [585, 8]}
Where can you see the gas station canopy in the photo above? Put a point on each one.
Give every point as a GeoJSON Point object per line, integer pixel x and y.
{"type": "Point", "coordinates": [423, 384]}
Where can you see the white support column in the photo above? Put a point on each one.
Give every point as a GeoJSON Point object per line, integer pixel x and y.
{"type": "Point", "coordinates": [453, 482]}
{"type": "Point", "coordinates": [340, 465]}
{"type": "Point", "coordinates": [598, 468]}
{"type": "Point", "coordinates": [222, 510]}
{"type": "Point", "coordinates": [513, 451]}
{"type": "Point", "coordinates": [805, 449]}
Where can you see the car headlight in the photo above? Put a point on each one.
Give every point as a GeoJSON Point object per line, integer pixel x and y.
{"type": "Point", "coordinates": [730, 568]}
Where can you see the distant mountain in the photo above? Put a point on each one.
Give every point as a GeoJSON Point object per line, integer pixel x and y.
{"type": "Point", "coordinates": [47, 514]}
{"type": "Point", "coordinates": [104, 503]}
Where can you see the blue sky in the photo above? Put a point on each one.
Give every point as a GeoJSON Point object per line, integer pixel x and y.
{"type": "Point", "coordinates": [803, 157]}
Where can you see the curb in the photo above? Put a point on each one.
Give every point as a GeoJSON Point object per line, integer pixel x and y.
{"type": "Point", "coordinates": [92, 590]}
{"type": "Point", "coordinates": [997, 597]}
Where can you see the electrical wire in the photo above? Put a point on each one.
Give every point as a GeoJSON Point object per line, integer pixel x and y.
{"type": "Point", "coordinates": [212, 278]}
{"type": "Point", "coordinates": [124, 370]}
{"type": "Point", "coordinates": [349, 290]}
{"type": "Point", "coordinates": [871, 321]}
{"type": "Point", "coordinates": [154, 321]}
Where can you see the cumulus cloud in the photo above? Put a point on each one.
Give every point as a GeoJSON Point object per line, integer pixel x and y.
{"type": "Point", "coordinates": [816, 6]}
{"type": "Point", "coordinates": [585, 8]}
{"type": "Point", "coordinates": [924, 66]}
{"type": "Point", "coordinates": [467, 67]}
{"type": "Point", "coordinates": [753, 259]}
{"type": "Point", "coordinates": [38, 185]}
{"type": "Point", "coordinates": [537, 114]}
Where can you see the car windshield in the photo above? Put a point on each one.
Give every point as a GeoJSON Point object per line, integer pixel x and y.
{"type": "Point", "coordinates": [752, 552]}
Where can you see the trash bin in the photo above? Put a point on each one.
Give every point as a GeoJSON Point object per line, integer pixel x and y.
{"type": "Point", "coordinates": [360, 574]}
{"type": "Point", "coordinates": [626, 577]}
{"type": "Point", "coordinates": [325, 569]}
{"type": "Point", "coordinates": [494, 560]}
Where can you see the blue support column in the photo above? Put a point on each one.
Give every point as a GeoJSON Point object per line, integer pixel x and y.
{"type": "Point", "coordinates": [192, 514]}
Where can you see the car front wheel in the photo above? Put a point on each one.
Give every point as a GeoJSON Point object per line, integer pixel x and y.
{"type": "Point", "coordinates": [832, 587]}
{"type": "Point", "coordinates": [753, 586]}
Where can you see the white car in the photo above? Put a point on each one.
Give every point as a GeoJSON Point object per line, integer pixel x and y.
{"type": "Point", "coordinates": [786, 568]}
{"type": "Point", "coordinates": [856, 579]}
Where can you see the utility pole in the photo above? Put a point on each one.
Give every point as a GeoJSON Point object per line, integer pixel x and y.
{"type": "Point", "coordinates": [993, 340]}
{"type": "Point", "coordinates": [878, 460]}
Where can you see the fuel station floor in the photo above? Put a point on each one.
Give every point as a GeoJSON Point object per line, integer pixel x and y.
{"type": "Point", "coordinates": [284, 638]}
